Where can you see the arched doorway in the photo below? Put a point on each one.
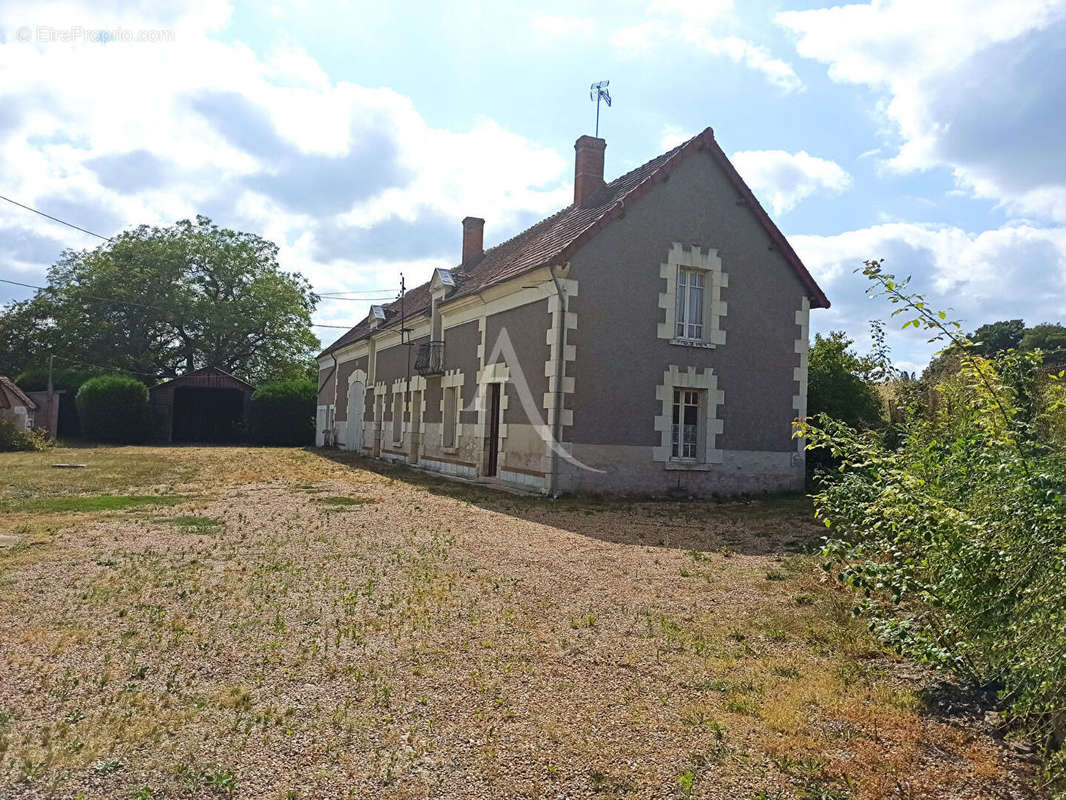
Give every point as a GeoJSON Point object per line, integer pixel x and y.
{"type": "Point", "coordinates": [356, 410]}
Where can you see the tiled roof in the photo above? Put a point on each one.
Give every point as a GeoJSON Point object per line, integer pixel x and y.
{"type": "Point", "coordinates": [552, 240]}
{"type": "Point", "coordinates": [20, 395]}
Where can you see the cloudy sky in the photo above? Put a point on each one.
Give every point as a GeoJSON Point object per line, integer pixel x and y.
{"type": "Point", "coordinates": [930, 134]}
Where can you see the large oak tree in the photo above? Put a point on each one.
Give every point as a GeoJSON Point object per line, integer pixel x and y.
{"type": "Point", "coordinates": [163, 301]}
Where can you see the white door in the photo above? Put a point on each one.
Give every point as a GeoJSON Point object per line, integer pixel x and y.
{"type": "Point", "coordinates": [320, 425]}
{"type": "Point", "coordinates": [356, 402]}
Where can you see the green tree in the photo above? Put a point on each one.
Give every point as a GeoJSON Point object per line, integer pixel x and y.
{"type": "Point", "coordinates": [21, 331]}
{"type": "Point", "coordinates": [997, 337]}
{"type": "Point", "coordinates": [163, 301]}
{"type": "Point", "coordinates": [1048, 337]}
{"type": "Point", "coordinates": [838, 382]}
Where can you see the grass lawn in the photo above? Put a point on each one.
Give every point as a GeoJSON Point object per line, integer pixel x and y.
{"type": "Point", "coordinates": [200, 622]}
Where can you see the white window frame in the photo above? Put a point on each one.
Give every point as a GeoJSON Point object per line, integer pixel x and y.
{"type": "Point", "coordinates": [709, 426]}
{"type": "Point", "coordinates": [684, 261]}
{"type": "Point", "coordinates": [450, 418]}
{"type": "Point", "coordinates": [681, 449]}
{"type": "Point", "coordinates": [452, 380]}
{"type": "Point", "coordinates": [689, 281]}
{"type": "Point", "coordinates": [397, 418]}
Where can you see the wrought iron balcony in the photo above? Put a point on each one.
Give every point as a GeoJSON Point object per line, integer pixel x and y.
{"type": "Point", "coordinates": [430, 359]}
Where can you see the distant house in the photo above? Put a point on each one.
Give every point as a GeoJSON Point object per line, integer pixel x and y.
{"type": "Point", "coordinates": [651, 336]}
{"type": "Point", "coordinates": [15, 405]}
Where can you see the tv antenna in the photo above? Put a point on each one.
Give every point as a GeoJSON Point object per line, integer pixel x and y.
{"type": "Point", "coordinates": [598, 91]}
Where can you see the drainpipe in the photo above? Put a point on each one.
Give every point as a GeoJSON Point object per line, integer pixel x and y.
{"type": "Point", "coordinates": [560, 371]}
{"type": "Point", "coordinates": [332, 372]}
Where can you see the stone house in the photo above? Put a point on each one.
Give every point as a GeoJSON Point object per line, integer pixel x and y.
{"type": "Point", "coordinates": [650, 337]}
{"type": "Point", "coordinates": [15, 405]}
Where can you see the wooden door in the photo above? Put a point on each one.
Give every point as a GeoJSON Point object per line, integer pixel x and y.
{"type": "Point", "coordinates": [493, 457]}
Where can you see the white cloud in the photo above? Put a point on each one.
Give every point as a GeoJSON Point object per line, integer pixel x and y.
{"type": "Point", "coordinates": [693, 10]}
{"type": "Point", "coordinates": [695, 24]}
{"type": "Point", "coordinates": [561, 25]}
{"type": "Point", "coordinates": [786, 179]}
{"type": "Point", "coordinates": [635, 40]}
{"type": "Point", "coordinates": [672, 136]}
{"type": "Point", "coordinates": [973, 86]}
{"type": "Point", "coordinates": [351, 182]}
{"type": "Point", "coordinates": [754, 56]}
{"type": "Point", "coordinates": [1016, 271]}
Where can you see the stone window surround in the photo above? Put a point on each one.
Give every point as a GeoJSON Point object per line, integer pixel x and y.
{"type": "Point", "coordinates": [710, 425]}
{"type": "Point", "coordinates": [714, 308]}
{"type": "Point", "coordinates": [559, 390]}
{"type": "Point", "coordinates": [452, 379]}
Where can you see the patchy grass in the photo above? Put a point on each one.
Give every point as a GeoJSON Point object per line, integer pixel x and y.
{"type": "Point", "coordinates": [445, 641]}
{"type": "Point", "coordinates": [345, 501]}
{"type": "Point", "coordinates": [197, 523]}
{"type": "Point", "coordinates": [85, 504]}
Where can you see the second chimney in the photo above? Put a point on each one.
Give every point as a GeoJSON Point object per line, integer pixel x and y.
{"type": "Point", "coordinates": [473, 239]}
{"type": "Point", "coordinates": [588, 168]}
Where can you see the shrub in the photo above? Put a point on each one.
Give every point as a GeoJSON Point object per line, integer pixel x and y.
{"type": "Point", "coordinates": [114, 408]}
{"type": "Point", "coordinates": [66, 380]}
{"type": "Point", "coordinates": [283, 413]}
{"type": "Point", "coordinates": [14, 437]}
{"type": "Point", "coordinates": [957, 538]}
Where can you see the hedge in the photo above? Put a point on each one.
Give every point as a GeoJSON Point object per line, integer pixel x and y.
{"type": "Point", "coordinates": [283, 413]}
{"type": "Point", "coordinates": [114, 408]}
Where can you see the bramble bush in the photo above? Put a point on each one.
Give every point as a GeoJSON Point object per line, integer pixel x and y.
{"type": "Point", "coordinates": [956, 536]}
{"type": "Point", "coordinates": [14, 438]}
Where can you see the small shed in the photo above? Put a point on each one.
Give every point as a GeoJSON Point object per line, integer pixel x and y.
{"type": "Point", "coordinates": [15, 405]}
{"type": "Point", "coordinates": [205, 405]}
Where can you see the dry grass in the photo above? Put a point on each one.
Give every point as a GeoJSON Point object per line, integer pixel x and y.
{"type": "Point", "coordinates": [304, 627]}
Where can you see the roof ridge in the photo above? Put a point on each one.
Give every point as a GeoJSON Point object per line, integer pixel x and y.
{"type": "Point", "coordinates": [557, 236]}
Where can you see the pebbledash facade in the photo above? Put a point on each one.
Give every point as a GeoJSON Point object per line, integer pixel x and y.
{"type": "Point", "coordinates": [650, 337]}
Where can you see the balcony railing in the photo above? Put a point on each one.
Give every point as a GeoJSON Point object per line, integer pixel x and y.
{"type": "Point", "coordinates": [430, 359]}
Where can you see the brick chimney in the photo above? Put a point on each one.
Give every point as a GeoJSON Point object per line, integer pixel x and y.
{"type": "Point", "coordinates": [588, 168]}
{"type": "Point", "coordinates": [473, 239]}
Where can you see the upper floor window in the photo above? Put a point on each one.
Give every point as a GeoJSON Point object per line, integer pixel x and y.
{"type": "Point", "coordinates": [692, 303]}
{"type": "Point", "coordinates": [688, 314]}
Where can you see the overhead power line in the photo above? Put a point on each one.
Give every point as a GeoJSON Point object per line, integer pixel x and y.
{"type": "Point", "coordinates": [324, 295]}
{"type": "Point", "coordinates": [55, 219]}
{"type": "Point", "coordinates": [110, 300]}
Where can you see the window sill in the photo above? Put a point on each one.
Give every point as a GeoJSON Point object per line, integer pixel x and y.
{"type": "Point", "coordinates": [449, 450]}
{"type": "Point", "coordinates": [693, 343]}
{"type": "Point", "coordinates": [687, 466]}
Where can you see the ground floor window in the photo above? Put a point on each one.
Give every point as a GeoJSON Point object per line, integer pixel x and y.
{"type": "Point", "coordinates": [451, 414]}
{"type": "Point", "coordinates": [686, 424]}
{"type": "Point", "coordinates": [397, 417]}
